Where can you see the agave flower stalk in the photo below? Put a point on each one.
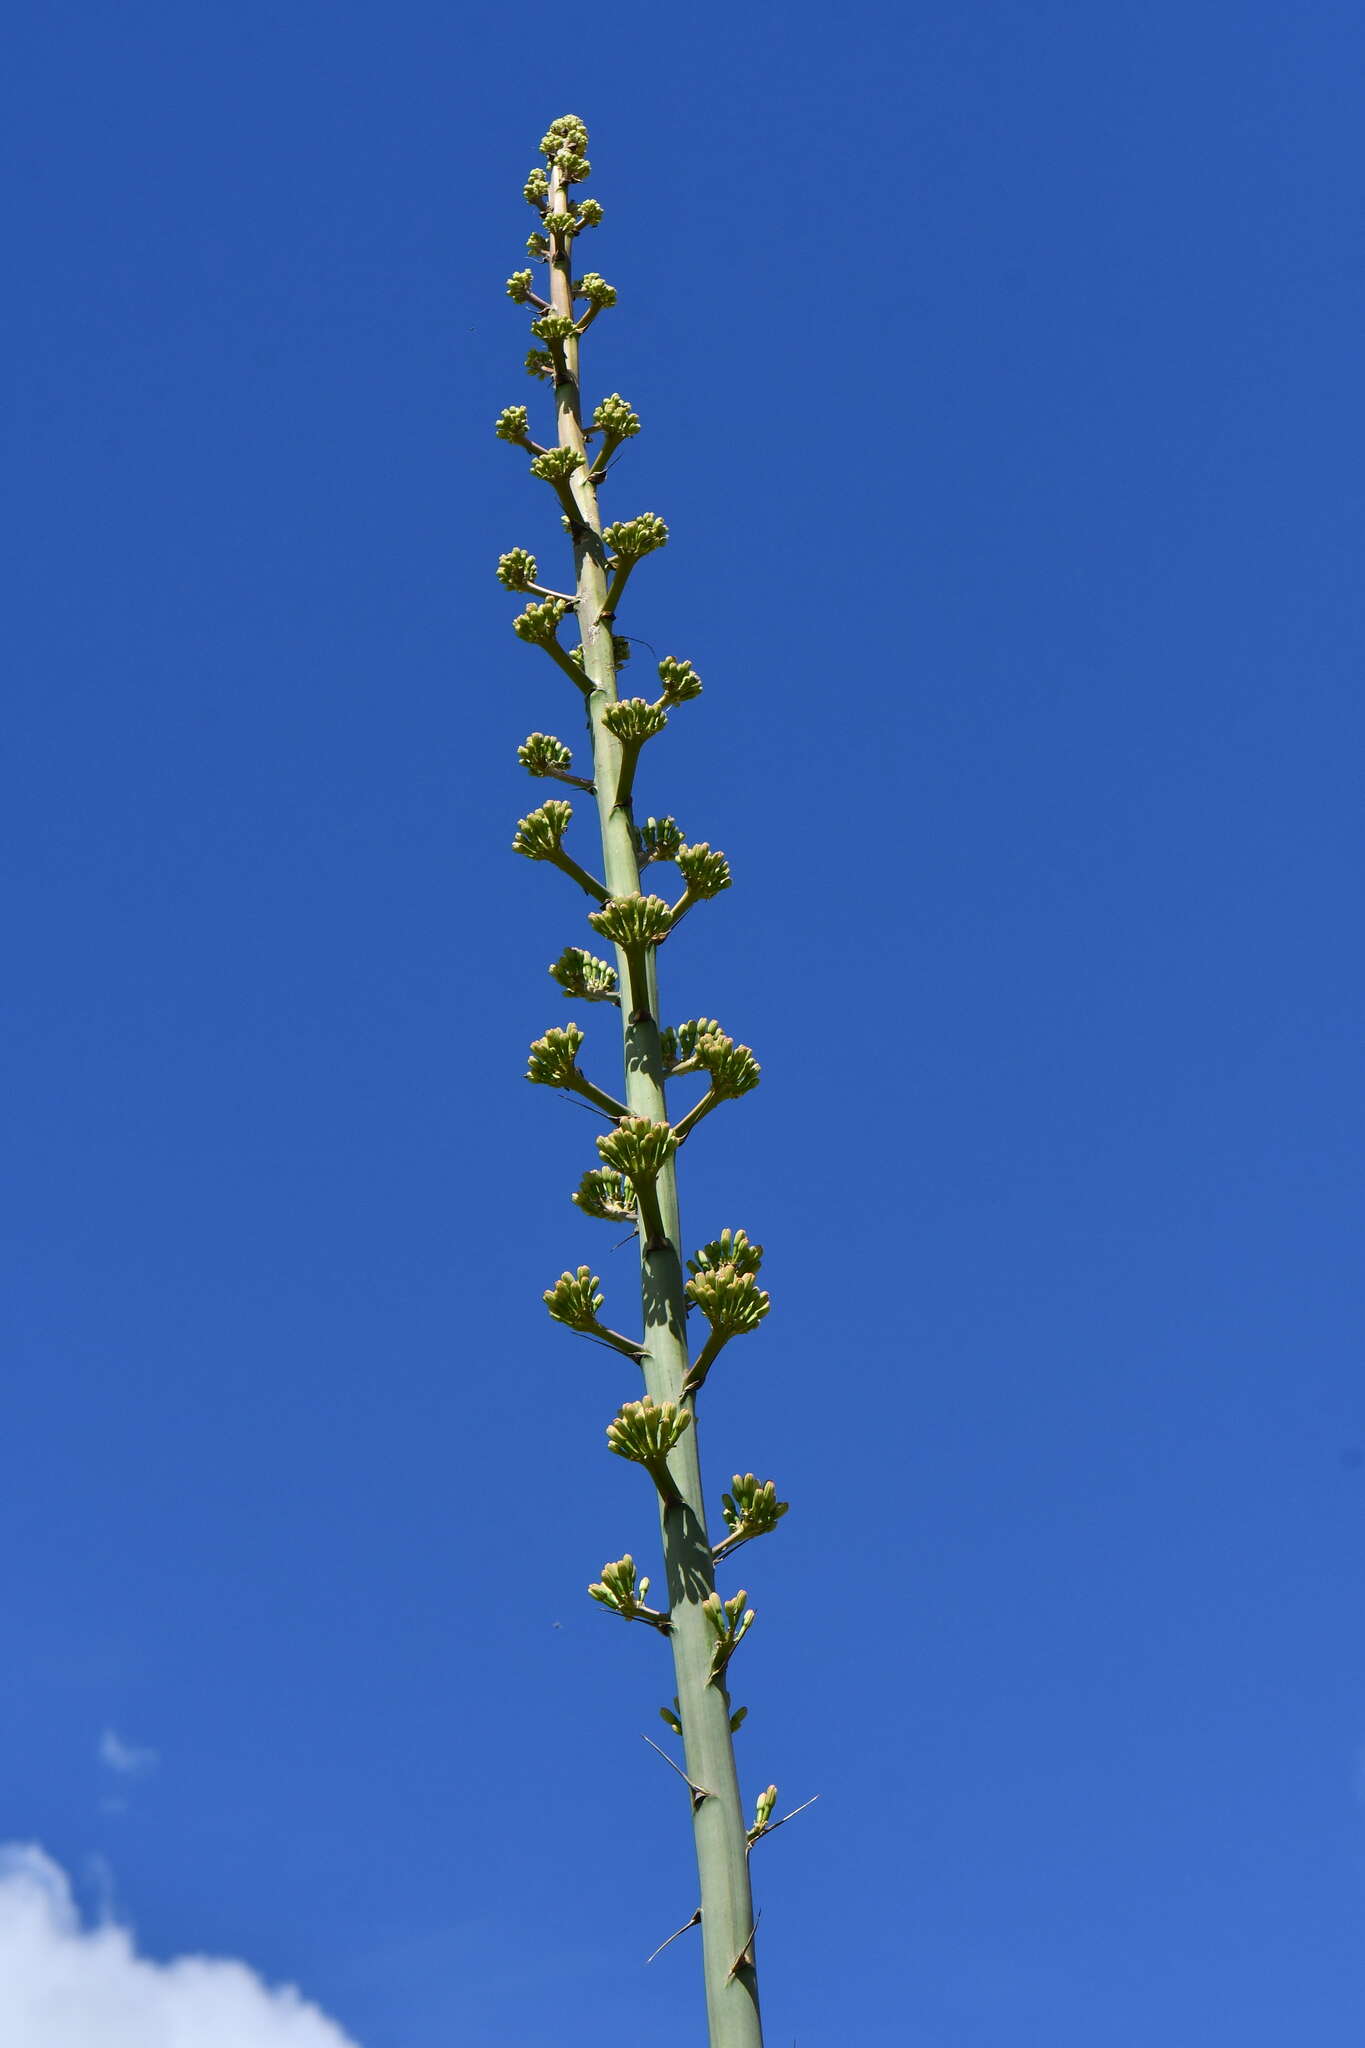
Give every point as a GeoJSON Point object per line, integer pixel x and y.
{"type": "Point", "coordinates": [637, 1173]}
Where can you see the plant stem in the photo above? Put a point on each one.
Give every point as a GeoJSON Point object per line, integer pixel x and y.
{"type": "Point", "coordinates": [727, 1916]}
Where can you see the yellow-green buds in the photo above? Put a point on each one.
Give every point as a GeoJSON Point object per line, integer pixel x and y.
{"type": "Point", "coordinates": [733, 1303]}
{"type": "Point", "coordinates": [680, 680]}
{"type": "Point", "coordinates": [634, 721]}
{"type": "Point", "coordinates": [732, 1068]}
{"type": "Point", "coordinates": [537, 248]}
{"type": "Point", "coordinates": [538, 835]}
{"type": "Point", "coordinates": [539, 623]}
{"type": "Point", "coordinates": [731, 1622]}
{"type": "Point", "coordinates": [553, 327]}
{"type": "Point", "coordinates": [731, 1248]}
{"type": "Point", "coordinates": [540, 363]}
{"type": "Point", "coordinates": [556, 465]}
{"type": "Point", "coordinates": [610, 1196]}
{"type": "Point", "coordinates": [670, 1715]}
{"type": "Point", "coordinates": [751, 1508]}
{"type": "Point", "coordinates": [517, 569]}
{"type": "Point", "coordinates": [536, 190]}
{"type": "Point", "coordinates": [678, 1042]}
{"type": "Point", "coordinates": [763, 1812]}
{"type": "Point", "coordinates": [737, 1719]}
{"type": "Point", "coordinates": [616, 419]}
{"type": "Point", "coordinates": [513, 423]}
{"type": "Point", "coordinates": [589, 213]}
{"type": "Point", "coordinates": [632, 921]}
{"type": "Point", "coordinates": [646, 1431]}
{"type": "Point", "coordinates": [618, 1589]}
{"type": "Point", "coordinates": [574, 1299]}
{"type": "Point", "coordinates": [705, 873]}
{"type": "Point", "coordinates": [630, 539]}
{"type": "Point", "coordinates": [638, 1148]}
{"type": "Point", "coordinates": [566, 132]}
{"type": "Point", "coordinates": [593, 287]}
{"type": "Point", "coordinates": [540, 753]}
{"type": "Point", "coordinates": [657, 839]}
{"type": "Point", "coordinates": [583, 975]}
{"type": "Point", "coordinates": [554, 1058]}
{"type": "Point", "coordinates": [574, 167]}
{"type": "Point", "coordinates": [519, 287]}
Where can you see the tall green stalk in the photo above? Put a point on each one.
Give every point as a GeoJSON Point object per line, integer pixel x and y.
{"type": "Point", "coordinates": [637, 1177]}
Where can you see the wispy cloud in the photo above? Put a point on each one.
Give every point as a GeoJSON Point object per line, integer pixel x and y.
{"type": "Point", "coordinates": [69, 1986]}
{"type": "Point", "coordinates": [126, 1757]}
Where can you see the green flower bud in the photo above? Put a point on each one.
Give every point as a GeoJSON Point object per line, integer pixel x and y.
{"type": "Point", "coordinates": [540, 753]}
{"type": "Point", "coordinates": [539, 623]}
{"type": "Point", "coordinates": [536, 190]}
{"type": "Point", "coordinates": [582, 975]}
{"type": "Point", "coordinates": [731, 1248]}
{"type": "Point", "coordinates": [610, 1196]}
{"type": "Point", "coordinates": [553, 327]}
{"type": "Point", "coordinates": [519, 286]}
{"type": "Point", "coordinates": [704, 872]}
{"type": "Point", "coordinates": [637, 1148]}
{"type": "Point", "coordinates": [556, 465]}
{"type": "Point", "coordinates": [632, 539]}
{"type": "Point", "coordinates": [593, 287]}
{"type": "Point", "coordinates": [564, 224]}
{"type": "Point", "coordinates": [632, 921]}
{"type": "Point", "coordinates": [567, 132]}
{"type": "Point", "coordinates": [537, 248]}
{"type": "Point", "coordinates": [513, 423]}
{"type": "Point", "coordinates": [657, 839]}
{"type": "Point", "coordinates": [752, 1508]}
{"type": "Point", "coordinates": [517, 569]}
{"type": "Point", "coordinates": [617, 420]}
{"type": "Point", "coordinates": [645, 1431]}
{"type": "Point", "coordinates": [540, 363]}
{"type": "Point", "coordinates": [574, 1299]}
{"type": "Point", "coordinates": [634, 721]}
{"type": "Point", "coordinates": [574, 167]}
{"type": "Point", "coordinates": [680, 680]}
{"type": "Point", "coordinates": [589, 213]}
{"type": "Point", "coordinates": [737, 1719]}
{"type": "Point", "coordinates": [538, 835]}
{"type": "Point", "coordinates": [669, 1715]}
{"type": "Point", "coordinates": [733, 1303]}
{"type": "Point", "coordinates": [554, 1058]}
{"type": "Point", "coordinates": [732, 1068]}
{"type": "Point", "coordinates": [678, 1042]}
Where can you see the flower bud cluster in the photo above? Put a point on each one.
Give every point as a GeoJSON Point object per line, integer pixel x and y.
{"type": "Point", "coordinates": [680, 680]}
{"type": "Point", "coordinates": [553, 327]}
{"type": "Point", "coordinates": [539, 833]}
{"type": "Point", "coordinates": [609, 1196]}
{"type": "Point", "coordinates": [637, 1148]}
{"type": "Point", "coordinates": [513, 423]}
{"type": "Point", "coordinates": [657, 839]}
{"type": "Point", "coordinates": [593, 287]}
{"type": "Point", "coordinates": [731, 1248]}
{"type": "Point", "coordinates": [632, 921]}
{"type": "Point", "coordinates": [633, 720]}
{"type": "Point", "coordinates": [519, 287]}
{"type": "Point", "coordinates": [554, 1058]}
{"type": "Point", "coordinates": [616, 418]}
{"type": "Point", "coordinates": [618, 1590]}
{"type": "Point", "coordinates": [537, 248]}
{"type": "Point", "coordinates": [731, 1621]}
{"type": "Point", "coordinates": [705, 873]}
{"type": "Point", "coordinates": [556, 465]}
{"type": "Point", "coordinates": [752, 1508]}
{"type": "Point", "coordinates": [763, 1813]}
{"type": "Point", "coordinates": [585, 976]}
{"type": "Point", "coordinates": [539, 623]}
{"type": "Point", "coordinates": [540, 753]}
{"type": "Point", "coordinates": [732, 1068]}
{"type": "Point", "coordinates": [568, 131]}
{"type": "Point", "coordinates": [646, 1431]}
{"type": "Point", "coordinates": [536, 190]}
{"type": "Point", "coordinates": [540, 363]}
{"type": "Point", "coordinates": [589, 213]}
{"type": "Point", "coordinates": [733, 1303]}
{"type": "Point", "coordinates": [631, 539]}
{"type": "Point", "coordinates": [517, 569]}
{"type": "Point", "coordinates": [678, 1042]}
{"type": "Point", "coordinates": [574, 1299]}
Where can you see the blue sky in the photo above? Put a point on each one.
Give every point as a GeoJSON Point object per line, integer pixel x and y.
{"type": "Point", "coordinates": [1000, 371]}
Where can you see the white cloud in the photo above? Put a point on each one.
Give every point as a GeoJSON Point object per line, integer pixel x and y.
{"type": "Point", "coordinates": [63, 1985]}
{"type": "Point", "coordinates": [125, 1757]}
